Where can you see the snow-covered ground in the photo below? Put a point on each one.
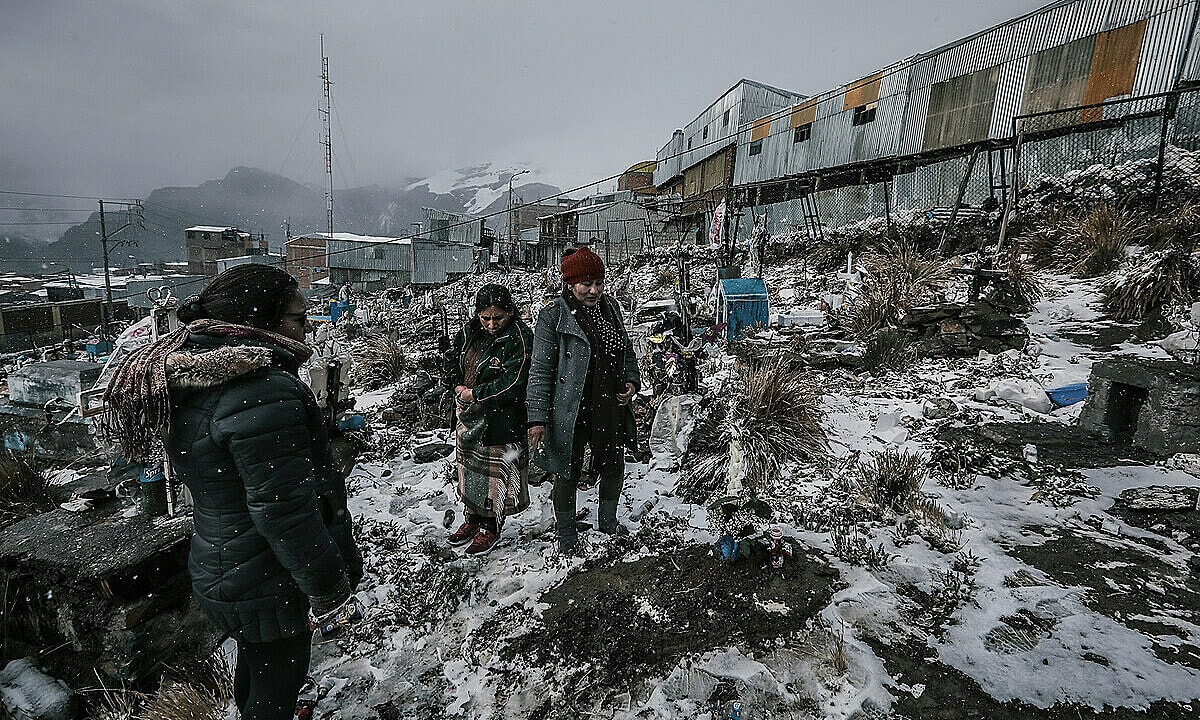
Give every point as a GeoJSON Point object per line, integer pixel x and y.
{"type": "Point", "coordinates": [1033, 592]}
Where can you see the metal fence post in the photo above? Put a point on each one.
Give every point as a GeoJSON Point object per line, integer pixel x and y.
{"type": "Point", "coordinates": [1169, 107]}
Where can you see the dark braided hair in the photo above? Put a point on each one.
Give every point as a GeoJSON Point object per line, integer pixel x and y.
{"type": "Point", "coordinates": [250, 294]}
{"type": "Point", "coordinates": [497, 296]}
{"type": "Point", "coordinates": [136, 399]}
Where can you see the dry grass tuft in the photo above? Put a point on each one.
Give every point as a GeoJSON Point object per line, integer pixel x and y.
{"type": "Point", "coordinates": [24, 491]}
{"type": "Point", "coordinates": [773, 411]}
{"type": "Point", "coordinates": [888, 349]}
{"type": "Point", "coordinates": [890, 481]}
{"type": "Point", "coordinates": [380, 361]}
{"type": "Point", "coordinates": [1154, 282]}
{"type": "Point", "coordinates": [901, 277]}
{"type": "Point", "coordinates": [1180, 227]}
{"type": "Point", "coordinates": [1089, 243]}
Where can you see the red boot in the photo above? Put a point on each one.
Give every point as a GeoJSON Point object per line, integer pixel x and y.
{"type": "Point", "coordinates": [465, 532]}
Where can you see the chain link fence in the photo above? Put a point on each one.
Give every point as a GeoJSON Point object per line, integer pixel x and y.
{"type": "Point", "coordinates": [1143, 152]}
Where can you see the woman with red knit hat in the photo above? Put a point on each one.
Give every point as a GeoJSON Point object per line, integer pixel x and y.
{"type": "Point", "coordinates": [582, 376]}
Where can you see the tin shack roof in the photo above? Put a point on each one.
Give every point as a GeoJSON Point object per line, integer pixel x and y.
{"type": "Point", "coordinates": [744, 287]}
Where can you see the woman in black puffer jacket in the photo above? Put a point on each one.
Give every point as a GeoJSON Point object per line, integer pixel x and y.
{"type": "Point", "coordinates": [244, 434]}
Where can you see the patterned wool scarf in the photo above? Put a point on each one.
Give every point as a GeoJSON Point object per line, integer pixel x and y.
{"type": "Point", "coordinates": [606, 368]}
{"type": "Point", "coordinates": [137, 400]}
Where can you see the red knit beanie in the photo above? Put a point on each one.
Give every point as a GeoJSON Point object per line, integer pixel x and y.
{"type": "Point", "coordinates": [581, 266]}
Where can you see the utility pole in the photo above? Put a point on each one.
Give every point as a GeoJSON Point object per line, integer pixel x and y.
{"type": "Point", "coordinates": [512, 240]}
{"type": "Point", "coordinates": [108, 304]}
{"type": "Point", "coordinates": [108, 308]}
{"type": "Point", "coordinates": [327, 137]}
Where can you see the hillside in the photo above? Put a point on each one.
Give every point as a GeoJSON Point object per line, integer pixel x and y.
{"type": "Point", "coordinates": [262, 202]}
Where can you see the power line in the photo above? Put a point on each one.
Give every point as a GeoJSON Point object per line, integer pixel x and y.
{"type": "Point", "coordinates": [87, 210]}
{"type": "Point", "coordinates": [41, 222]}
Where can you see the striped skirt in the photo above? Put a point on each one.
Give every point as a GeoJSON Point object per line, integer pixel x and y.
{"type": "Point", "coordinates": [492, 479]}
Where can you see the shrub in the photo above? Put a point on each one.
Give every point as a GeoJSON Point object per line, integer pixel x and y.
{"type": "Point", "coordinates": [24, 491]}
{"type": "Point", "coordinates": [888, 349]}
{"type": "Point", "coordinates": [380, 361]}
{"type": "Point", "coordinates": [1154, 282]}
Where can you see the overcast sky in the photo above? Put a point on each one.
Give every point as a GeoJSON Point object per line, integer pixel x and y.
{"type": "Point", "coordinates": [118, 98]}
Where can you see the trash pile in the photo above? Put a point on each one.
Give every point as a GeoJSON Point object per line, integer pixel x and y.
{"type": "Point", "coordinates": [883, 484]}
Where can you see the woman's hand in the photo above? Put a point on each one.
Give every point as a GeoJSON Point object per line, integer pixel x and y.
{"type": "Point", "coordinates": [536, 434]}
{"type": "Point", "coordinates": [623, 398]}
{"type": "Point", "coordinates": [464, 394]}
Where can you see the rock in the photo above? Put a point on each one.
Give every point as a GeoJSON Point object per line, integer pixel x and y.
{"type": "Point", "coordinates": [1187, 462]}
{"type": "Point", "coordinates": [431, 451]}
{"type": "Point", "coordinates": [30, 694]}
{"type": "Point", "coordinates": [1026, 393]}
{"type": "Point", "coordinates": [1181, 345]}
{"type": "Point", "coordinates": [938, 408]}
{"type": "Point", "coordinates": [1158, 498]}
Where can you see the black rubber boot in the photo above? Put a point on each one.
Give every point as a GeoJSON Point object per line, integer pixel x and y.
{"type": "Point", "coordinates": [568, 534]}
{"type": "Point", "coordinates": [608, 519]}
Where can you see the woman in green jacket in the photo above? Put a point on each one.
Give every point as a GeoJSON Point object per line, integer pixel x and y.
{"type": "Point", "coordinates": [487, 369]}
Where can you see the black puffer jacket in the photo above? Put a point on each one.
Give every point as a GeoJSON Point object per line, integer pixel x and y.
{"type": "Point", "coordinates": [272, 534]}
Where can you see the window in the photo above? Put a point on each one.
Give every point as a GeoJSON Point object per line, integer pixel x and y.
{"type": "Point", "coordinates": [726, 118]}
{"type": "Point", "coordinates": [705, 132]}
{"type": "Point", "coordinates": [864, 114]}
{"type": "Point", "coordinates": [756, 147]}
{"type": "Point", "coordinates": [802, 133]}
{"type": "Point", "coordinates": [689, 143]}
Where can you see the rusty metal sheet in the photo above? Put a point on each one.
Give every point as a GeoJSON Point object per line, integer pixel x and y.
{"type": "Point", "coordinates": [862, 92]}
{"type": "Point", "coordinates": [760, 129]}
{"type": "Point", "coordinates": [804, 113]}
{"type": "Point", "coordinates": [1114, 66]}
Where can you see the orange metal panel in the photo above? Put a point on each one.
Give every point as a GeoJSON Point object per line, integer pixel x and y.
{"type": "Point", "coordinates": [761, 129]}
{"type": "Point", "coordinates": [804, 113]}
{"type": "Point", "coordinates": [1114, 66]}
{"type": "Point", "coordinates": [862, 92]}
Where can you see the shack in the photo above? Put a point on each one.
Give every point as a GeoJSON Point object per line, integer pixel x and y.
{"type": "Point", "coordinates": [1153, 404]}
{"type": "Point", "coordinates": [742, 303]}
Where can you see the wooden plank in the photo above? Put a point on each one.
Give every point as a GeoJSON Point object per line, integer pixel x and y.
{"type": "Point", "coordinates": [862, 92]}
{"type": "Point", "coordinates": [1114, 67]}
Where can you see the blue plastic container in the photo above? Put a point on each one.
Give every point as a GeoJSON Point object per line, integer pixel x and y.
{"type": "Point", "coordinates": [1068, 394]}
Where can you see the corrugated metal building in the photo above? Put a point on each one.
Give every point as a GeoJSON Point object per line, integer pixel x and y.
{"type": "Point", "coordinates": [939, 104]}
{"type": "Point", "coordinates": [1070, 53]}
{"type": "Point", "coordinates": [615, 226]}
{"type": "Point", "coordinates": [716, 128]}
{"type": "Point", "coordinates": [450, 245]}
{"type": "Point", "coordinates": [371, 263]}
{"type": "Point", "coordinates": [434, 262]}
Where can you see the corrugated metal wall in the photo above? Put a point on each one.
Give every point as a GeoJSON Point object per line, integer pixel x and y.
{"type": "Point", "coordinates": [899, 127]}
{"type": "Point", "coordinates": [369, 253]}
{"type": "Point", "coordinates": [434, 261]}
{"type": "Point", "coordinates": [745, 102]}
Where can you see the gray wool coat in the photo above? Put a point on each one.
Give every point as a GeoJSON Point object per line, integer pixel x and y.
{"type": "Point", "coordinates": [557, 373]}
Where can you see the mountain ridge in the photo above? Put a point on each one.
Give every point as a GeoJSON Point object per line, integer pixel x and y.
{"type": "Point", "coordinates": [262, 202]}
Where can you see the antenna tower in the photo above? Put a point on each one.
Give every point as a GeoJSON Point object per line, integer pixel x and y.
{"type": "Point", "coordinates": [327, 136]}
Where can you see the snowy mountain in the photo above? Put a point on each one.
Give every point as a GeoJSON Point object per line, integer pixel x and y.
{"type": "Point", "coordinates": [484, 188]}
{"type": "Point", "coordinates": [262, 202]}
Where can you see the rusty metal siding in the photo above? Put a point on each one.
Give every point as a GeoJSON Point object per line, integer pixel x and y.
{"type": "Point", "coordinates": [745, 102]}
